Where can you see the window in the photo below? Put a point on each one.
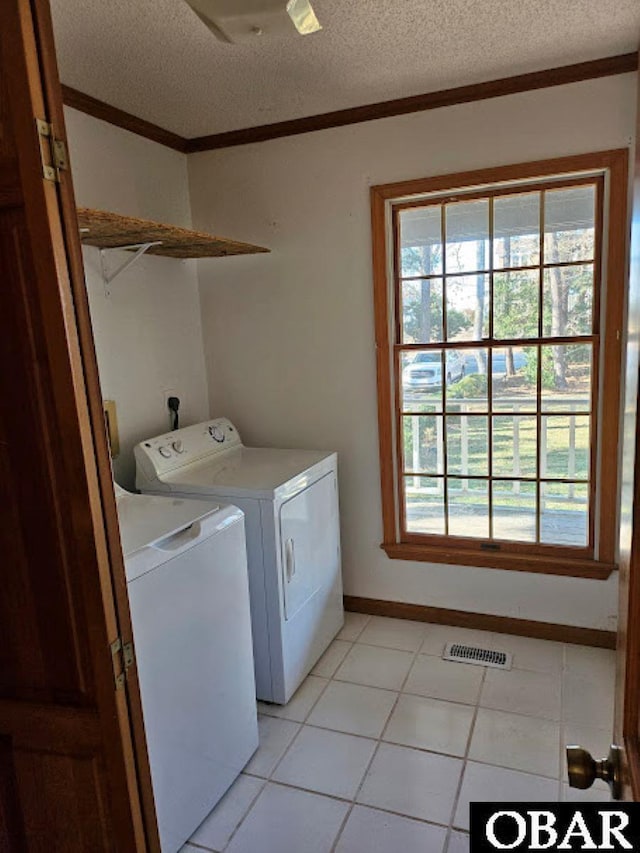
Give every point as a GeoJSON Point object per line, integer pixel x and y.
{"type": "Point", "coordinates": [498, 333]}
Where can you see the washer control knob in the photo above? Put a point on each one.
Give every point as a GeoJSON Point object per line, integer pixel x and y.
{"type": "Point", "coordinates": [164, 451]}
{"type": "Point", "coordinates": [177, 446]}
{"type": "Point", "coordinates": [216, 433]}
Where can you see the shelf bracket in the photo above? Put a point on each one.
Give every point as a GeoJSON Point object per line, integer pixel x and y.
{"type": "Point", "coordinates": [140, 249]}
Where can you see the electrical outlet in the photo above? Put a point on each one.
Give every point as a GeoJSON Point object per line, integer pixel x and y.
{"type": "Point", "coordinates": [166, 393]}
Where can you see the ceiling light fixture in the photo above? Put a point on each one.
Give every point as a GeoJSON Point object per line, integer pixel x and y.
{"type": "Point", "coordinates": [235, 21]}
{"type": "Point", "coordinates": [303, 17]}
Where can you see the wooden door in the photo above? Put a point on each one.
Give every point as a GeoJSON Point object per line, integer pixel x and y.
{"type": "Point", "coordinates": [73, 769]}
{"type": "Point", "coordinates": [627, 717]}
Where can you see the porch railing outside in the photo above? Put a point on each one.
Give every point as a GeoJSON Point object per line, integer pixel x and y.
{"type": "Point", "coordinates": [464, 408]}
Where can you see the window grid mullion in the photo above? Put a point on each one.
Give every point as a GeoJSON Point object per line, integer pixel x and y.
{"type": "Point", "coordinates": [445, 471]}
{"type": "Point", "coordinates": [595, 521]}
{"type": "Point", "coordinates": [578, 481]}
{"type": "Point", "coordinates": [490, 368]}
{"type": "Point", "coordinates": [501, 343]}
{"type": "Point", "coordinates": [538, 344]}
{"type": "Point", "coordinates": [529, 268]}
{"type": "Point", "coordinates": [482, 413]}
{"type": "Point", "coordinates": [539, 486]}
{"type": "Point", "coordinates": [509, 188]}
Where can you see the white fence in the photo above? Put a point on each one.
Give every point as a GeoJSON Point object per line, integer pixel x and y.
{"type": "Point", "coordinates": [570, 408]}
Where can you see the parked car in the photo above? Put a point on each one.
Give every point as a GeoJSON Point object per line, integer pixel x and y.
{"type": "Point", "coordinates": [425, 371]}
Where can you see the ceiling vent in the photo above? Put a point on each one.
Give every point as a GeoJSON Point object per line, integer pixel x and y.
{"type": "Point", "coordinates": [244, 20]}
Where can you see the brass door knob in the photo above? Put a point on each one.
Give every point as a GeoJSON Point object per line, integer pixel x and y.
{"type": "Point", "coordinates": [584, 769]}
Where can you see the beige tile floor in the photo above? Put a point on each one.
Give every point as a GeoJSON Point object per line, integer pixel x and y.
{"type": "Point", "coordinates": [385, 744]}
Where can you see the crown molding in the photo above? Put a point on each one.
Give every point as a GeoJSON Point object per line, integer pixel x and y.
{"type": "Point", "coordinates": [120, 118]}
{"type": "Point", "coordinates": [606, 67]}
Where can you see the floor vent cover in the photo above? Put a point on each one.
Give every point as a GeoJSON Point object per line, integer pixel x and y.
{"type": "Point", "coordinates": [474, 654]}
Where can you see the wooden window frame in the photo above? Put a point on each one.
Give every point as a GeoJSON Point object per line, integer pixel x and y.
{"type": "Point", "coordinates": [538, 341]}
{"type": "Point", "coordinates": [613, 167]}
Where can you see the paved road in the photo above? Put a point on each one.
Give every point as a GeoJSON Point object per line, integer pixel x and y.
{"type": "Point", "coordinates": [499, 363]}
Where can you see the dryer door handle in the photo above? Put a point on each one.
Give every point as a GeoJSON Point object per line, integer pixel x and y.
{"type": "Point", "coordinates": [289, 559]}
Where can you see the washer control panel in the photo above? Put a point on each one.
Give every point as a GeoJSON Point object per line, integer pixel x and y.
{"type": "Point", "coordinates": [217, 433]}
{"type": "Point", "coordinates": [164, 453]}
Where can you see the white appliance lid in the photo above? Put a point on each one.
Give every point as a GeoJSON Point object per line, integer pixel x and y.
{"type": "Point", "coordinates": [144, 519]}
{"type": "Point", "coordinates": [254, 471]}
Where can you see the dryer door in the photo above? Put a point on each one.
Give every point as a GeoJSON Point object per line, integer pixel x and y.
{"type": "Point", "coordinates": [309, 541]}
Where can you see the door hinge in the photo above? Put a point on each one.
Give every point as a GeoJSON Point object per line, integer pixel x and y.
{"type": "Point", "coordinates": [123, 657]}
{"type": "Point", "coordinates": [53, 152]}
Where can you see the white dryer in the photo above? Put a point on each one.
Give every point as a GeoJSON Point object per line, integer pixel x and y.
{"type": "Point", "coordinates": [290, 502]}
{"type": "Point", "coordinates": [186, 570]}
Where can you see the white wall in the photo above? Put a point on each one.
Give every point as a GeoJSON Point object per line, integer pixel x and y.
{"type": "Point", "coordinates": [147, 332]}
{"type": "Point", "coordinates": [289, 338]}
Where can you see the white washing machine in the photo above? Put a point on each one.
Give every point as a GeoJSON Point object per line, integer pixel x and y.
{"type": "Point", "coordinates": [186, 573]}
{"type": "Point", "coordinates": [290, 502]}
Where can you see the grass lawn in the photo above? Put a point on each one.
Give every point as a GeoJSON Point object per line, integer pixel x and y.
{"type": "Point", "coordinates": [566, 457]}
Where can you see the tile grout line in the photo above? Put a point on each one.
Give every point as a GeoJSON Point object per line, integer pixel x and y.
{"type": "Point", "coordinates": [359, 634]}
{"type": "Point", "coordinates": [457, 702]}
{"type": "Point", "coordinates": [304, 722]}
{"type": "Point", "coordinates": [422, 749]}
{"type": "Point", "coordinates": [268, 779]}
{"type": "Point", "coordinates": [245, 812]}
{"type": "Point", "coordinates": [301, 724]}
{"type": "Point", "coordinates": [353, 801]}
{"type": "Point", "coordinates": [434, 655]}
{"type": "Point", "coordinates": [562, 731]}
{"type": "Point", "coordinates": [244, 816]}
{"type": "Point", "coordinates": [465, 761]}
{"type": "Point", "coordinates": [377, 747]}
{"type": "Point", "coordinates": [476, 705]}
{"type": "Point", "coordinates": [350, 643]}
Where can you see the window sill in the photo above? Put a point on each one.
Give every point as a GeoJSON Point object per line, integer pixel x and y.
{"type": "Point", "coordinates": [574, 568]}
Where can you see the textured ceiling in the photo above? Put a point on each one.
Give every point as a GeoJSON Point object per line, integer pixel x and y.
{"type": "Point", "coordinates": [155, 59]}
